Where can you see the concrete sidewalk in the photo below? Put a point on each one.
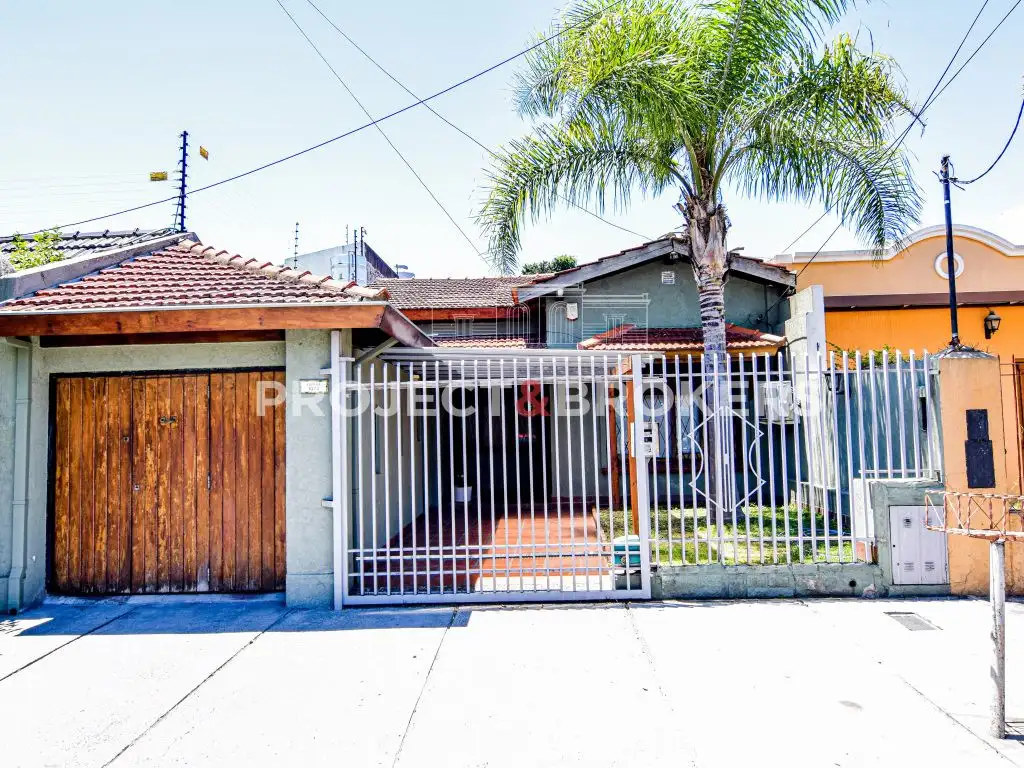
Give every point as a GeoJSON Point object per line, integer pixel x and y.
{"type": "Point", "coordinates": [226, 681]}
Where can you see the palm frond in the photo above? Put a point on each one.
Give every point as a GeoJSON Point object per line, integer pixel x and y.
{"type": "Point", "coordinates": [580, 165]}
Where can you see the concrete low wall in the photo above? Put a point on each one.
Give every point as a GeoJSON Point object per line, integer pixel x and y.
{"type": "Point", "coordinates": [753, 581]}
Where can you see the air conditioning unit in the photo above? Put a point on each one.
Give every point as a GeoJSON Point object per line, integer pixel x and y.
{"type": "Point", "coordinates": [777, 401]}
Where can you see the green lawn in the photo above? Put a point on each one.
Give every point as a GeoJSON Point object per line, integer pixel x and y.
{"type": "Point", "coordinates": [757, 519]}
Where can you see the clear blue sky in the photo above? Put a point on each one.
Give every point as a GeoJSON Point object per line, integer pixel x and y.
{"type": "Point", "coordinates": [96, 93]}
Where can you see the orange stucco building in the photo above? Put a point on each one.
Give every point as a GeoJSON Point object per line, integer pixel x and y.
{"type": "Point", "coordinates": [900, 299]}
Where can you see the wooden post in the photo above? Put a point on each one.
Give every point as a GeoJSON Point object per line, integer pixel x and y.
{"type": "Point", "coordinates": [997, 600]}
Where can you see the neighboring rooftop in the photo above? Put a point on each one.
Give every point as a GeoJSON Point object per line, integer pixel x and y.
{"type": "Point", "coordinates": [632, 338]}
{"type": "Point", "coordinates": [73, 244]}
{"type": "Point", "coordinates": [192, 275]}
{"type": "Point", "coordinates": [454, 293]}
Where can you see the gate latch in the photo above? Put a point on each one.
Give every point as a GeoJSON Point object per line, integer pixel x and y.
{"type": "Point", "coordinates": [168, 419]}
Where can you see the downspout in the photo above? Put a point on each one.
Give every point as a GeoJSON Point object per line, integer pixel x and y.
{"type": "Point", "coordinates": [19, 485]}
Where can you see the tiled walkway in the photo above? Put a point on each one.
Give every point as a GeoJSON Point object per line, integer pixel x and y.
{"type": "Point", "coordinates": [552, 548]}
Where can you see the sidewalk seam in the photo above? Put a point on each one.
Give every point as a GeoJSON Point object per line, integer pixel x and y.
{"type": "Point", "coordinates": [423, 688]}
{"type": "Point", "coordinates": [199, 685]}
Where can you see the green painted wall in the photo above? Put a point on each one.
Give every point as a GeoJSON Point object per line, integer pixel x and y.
{"type": "Point", "coordinates": [618, 298]}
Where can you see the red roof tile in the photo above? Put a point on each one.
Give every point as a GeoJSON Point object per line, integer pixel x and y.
{"type": "Point", "coordinates": [454, 293]}
{"type": "Point", "coordinates": [486, 342]}
{"type": "Point", "coordinates": [629, 337]}
{"type": "Point", "coordinates": [190, 274]}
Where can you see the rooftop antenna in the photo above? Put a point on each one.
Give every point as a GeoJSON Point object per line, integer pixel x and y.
{"type": "Point", "coordinates": [183, 172]}
{"type": "Point", "coordinates": [296, 253]}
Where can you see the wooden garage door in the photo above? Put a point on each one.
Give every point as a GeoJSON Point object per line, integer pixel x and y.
{"type": "Point", "coordinates": [168, 484]}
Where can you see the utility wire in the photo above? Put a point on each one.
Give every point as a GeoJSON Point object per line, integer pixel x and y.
{"type": "Point", "coordinates": [1000, 157]}
{"type": "Point", "coordinates": [980, 46]}
{"type": "Point", "coordinates": [448, 122]}
{"type": "Point", "coordinates": [927, 103]}
{"type": "Point", "coordinates": [346, 134]}
{"type": "Point", "coordinates": [933, 96]}
{"type": "Point", "coordinates": [381, 131]}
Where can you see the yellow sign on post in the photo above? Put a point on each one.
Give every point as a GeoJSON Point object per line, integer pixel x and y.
{"type": "Point", "coordinates": [204, 153]}
{"type": "Point", "coordinates": [158, 176]}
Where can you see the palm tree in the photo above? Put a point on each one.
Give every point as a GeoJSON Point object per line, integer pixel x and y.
{"type": "Point", "coordinates": [646, 94]}
{"type": "Point", "coordinates": [640, 95]}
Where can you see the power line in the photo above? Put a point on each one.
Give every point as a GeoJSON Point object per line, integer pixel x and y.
{"type": "Point", "coordinates": [1000, 156]}
{"type": "Point", "coordinates": [980, 46]}
{"type": "Point", "coordinates": [933, 96]}
{"type": "Point", "coordinates": [381, 131]}
{"type": "Point", "coordinates": [346, 134]}
{"type": "Point", "coordinates": [448, 122]}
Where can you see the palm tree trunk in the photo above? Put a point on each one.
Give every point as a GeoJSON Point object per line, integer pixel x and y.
{"type": "Point", "coordinates": [707, 231]}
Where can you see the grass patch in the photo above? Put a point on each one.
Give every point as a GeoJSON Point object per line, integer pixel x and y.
{"type": "Point", "coordinates": [731, 548]}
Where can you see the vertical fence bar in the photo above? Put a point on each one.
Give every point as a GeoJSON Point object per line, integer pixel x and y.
{"type": "Point", "coordinates": [862, 448]}
{"type": "Point", "coordinates": [533, 510]}
{"type": "Point", "coordinates": [677, 407]}
{"type": "Point", "coordinates": [709, 423]}
{"type": "Point", "coordinates": [544, 476]}
{"type": "Point", "coordinates": [620, 404]}
{"type": "Point", "coordinates": [373, 474]}
{"type": "Point", "coordinates": [594, 399]}
{"type": "Point", "coordinates": [610, 464]}
{"type": "Point", "coordinates": [569, 472]}
{"type": "Point", "coordinates": [849, 464]}
{"type": "Point", "coordinates": [744, 461]}
{"type": "Point", "coordinates": [772, 498]}
{"type": "Point", "coordinates": [518, 389]}
{"type": "Point", "coordinates": [901, 414]}
{"type": "Point", "coordinates": [361, 482]}
{"type": "Point", "coordinates": [438, 417]}
{"type": "Point", "coordinates": [507, 571]}
{"type": "Point", "coordinates": [425, 454]}
{"type": "Point", "coordinates": [835, 455]}
{"type": "Point", "coordinates": [915, 414]}
{"type": "Point", "coordinates": [649, 392]}
{"type": "Point", "coordinates": [583, 466]}
{"type": "Point", "coordinates": [451, 477]}
{"type": "Point", "coordinates": [798, 460]}
{"type": "Point", "coordinates": [929, 423]}
{"type": "Point", "coordinates": [875, 430]}
{"type": "Point", "coordinates": [465, 472]}
{"type": "Point", "coordinates": [887, 414]}
{"type": "Point", "coordinates": [757, 459]}
{"type": "Point", "coordinates": [476, 485]}
{"type": "Point", "coordinates": [385, 445]}
{"type": "Point", "coordinates": [695, 413]}
{"type": "Point", "coordinates": [491, 458]}
{"type": "Point", "coordinates": [395, 402]}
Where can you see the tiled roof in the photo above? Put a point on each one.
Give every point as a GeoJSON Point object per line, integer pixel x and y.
{"type": "Point", "coordinates": [454, 293]}
{"type": "Point", "coordinates": [491, 342]}
{"type": "Point", "coordinates": [629, 337]}
{"type": "Point", "coordinates": [73, 244]}
{"type": "Point", "coordinates": [190, 274]}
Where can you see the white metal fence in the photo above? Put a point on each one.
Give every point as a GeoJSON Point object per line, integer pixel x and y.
{"type": "Point", "coordinates": [476, 476]}
{"type": "Point", "coordinates": [798, 440]}
{"type": "Point", "coordinates": [540, 474]}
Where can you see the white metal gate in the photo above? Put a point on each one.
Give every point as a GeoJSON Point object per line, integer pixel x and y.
{"type": "Point", "coordinates": [465, 475]}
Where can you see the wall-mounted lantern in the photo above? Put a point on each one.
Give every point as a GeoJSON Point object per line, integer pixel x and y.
{"type": "Point", "coordinates": [992, 321]}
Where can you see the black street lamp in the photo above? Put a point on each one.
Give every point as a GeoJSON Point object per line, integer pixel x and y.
{"type": "Point", "coordinates": [992, 321]}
